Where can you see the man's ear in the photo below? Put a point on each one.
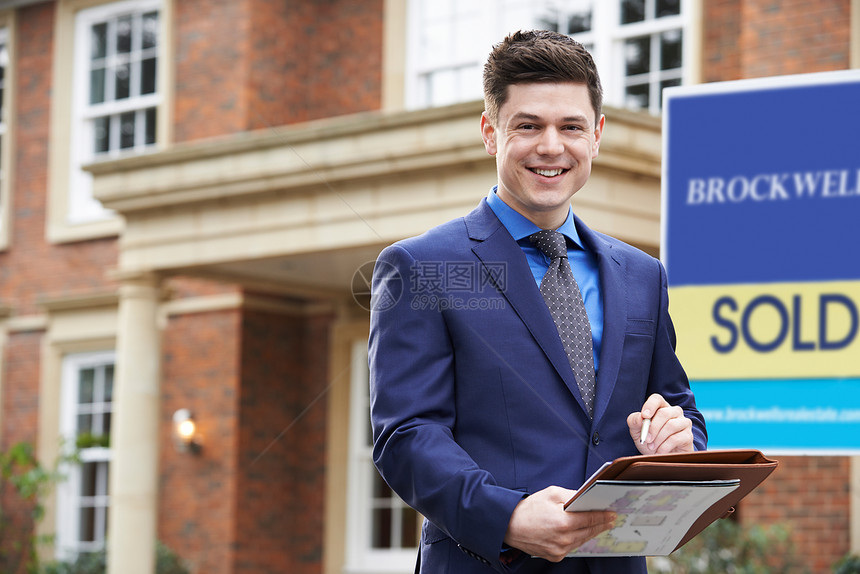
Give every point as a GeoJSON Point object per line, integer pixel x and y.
{"type": "Point", "coordinates": [488, 134]}
{"type": "Point", "coordinates": [598, 132]}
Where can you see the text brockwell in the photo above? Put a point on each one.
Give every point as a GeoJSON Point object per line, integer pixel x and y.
{"type": "Point", "coordinates": [774, 187]}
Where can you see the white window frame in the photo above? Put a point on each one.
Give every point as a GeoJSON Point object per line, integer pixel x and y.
{"type": "Point", "coordinates": [360, 556]}
{"type": "Point", "coordinates": [609, 35]}
{"type": "Point", "coordinates": [69, 499]}
{"type": "Point", "coordinates": [82, 206]}
{"type": "Point", "coordinates": [605, 40]}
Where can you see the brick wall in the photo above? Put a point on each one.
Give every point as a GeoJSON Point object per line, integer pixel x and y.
{"type": "Point", "coordinates": [252, 500]}
{"type": "Point", "coordinates": [810, 495]}
{"type": "Point", "coordinates": [757, 38]}
{"type": "Point", "coordinates": [252, 64]}
{"type": "Point", "coordinates": [32, 267]}
{"type": "Point", "coordinates": [197, 493]}
{"type": "Point", "coordinates": [20, 408]}
{"type": "Point", "coordinates": [281, 471]}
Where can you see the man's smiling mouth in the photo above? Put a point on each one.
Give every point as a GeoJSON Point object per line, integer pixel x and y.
{"type": "Point", "coordinates": [548, 172]}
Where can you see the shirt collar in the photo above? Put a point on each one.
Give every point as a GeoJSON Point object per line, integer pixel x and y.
{"type": "Point", "coordinates": [521, 227]}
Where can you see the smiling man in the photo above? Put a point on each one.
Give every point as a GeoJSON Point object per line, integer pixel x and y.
{"type": "Point", "coordinates": [514, 350]}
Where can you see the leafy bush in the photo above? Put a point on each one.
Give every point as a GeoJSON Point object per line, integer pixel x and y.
{"type": "Point", "coordinates": [726, 547]}
{"type": "Point", "coordinates": [166, 562]}
{"type": "Point", "coordinates": [848, 565]}
{"type": "Point", "coordinates": [26, 481]}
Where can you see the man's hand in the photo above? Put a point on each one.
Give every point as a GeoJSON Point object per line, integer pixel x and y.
{"type": "Point", "coordinates": [670, 430]}
{"type": "Point", "coordinates": [540, 526]}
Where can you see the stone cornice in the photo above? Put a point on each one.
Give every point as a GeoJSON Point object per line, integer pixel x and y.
{"type": "Point", "coordinates": [325, 152]}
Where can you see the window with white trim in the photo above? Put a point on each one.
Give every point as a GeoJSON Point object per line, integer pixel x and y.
{"type": "Point", "coordinates": [383, 532]}
{"type": "Point", "coordinates": [115, 93]}
{"type": "Point", "coordinates": [638, 45]}
{"type": "Point", "coordinates": [85, 422]}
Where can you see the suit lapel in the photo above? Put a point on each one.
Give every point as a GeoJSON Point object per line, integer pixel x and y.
{"type": "Point", "coordinates": [611, 268]}
{"type": "Point", "coordinates": [495, 245]}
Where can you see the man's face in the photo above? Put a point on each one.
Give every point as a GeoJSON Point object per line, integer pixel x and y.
{"type": "Point", "coordinates": [544, 140]}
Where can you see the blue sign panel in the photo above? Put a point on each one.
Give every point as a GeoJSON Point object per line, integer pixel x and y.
{"type": "Point", "coordinates": [761, 203]}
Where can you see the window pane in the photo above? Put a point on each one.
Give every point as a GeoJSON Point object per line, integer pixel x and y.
{"type": "Point", "coordinates": [409, 528]}
{"type": "Point", "coordinates": [108, 383]}
{"type": "Point", "coordinates": [550, 18]}
{"type": "Point", "coordinates": [85, 424]}
{"type": "Point", "coordinates": [668, 8]}
{"type": "Point", "coordinates": [632, 11]}
{"type": "Point", "coordinates": [97, 85]}
{"type": "Point", "coordinates": [86, 379]}
{"type": "Point", "coordinates": [104, 478]}
{"type": "Point", "coordinates": [380, 488]}
{"type": "Point", "coordinates": [670, 50]}
{"type": "Point", "coordinates": [98, 49]}
{"type": "Point", "coordinates": [102, 134]}
{"type": "Point", "coordinates": [579, 20]}
{"type": "Point", "coordinates": [106, 422]}
{"type": "Point", "coordinates": [440, 87]}
{"type": "Point", "coordinates": [668, 84]}
{"type": "Point", "coordinates": [150, 30]}
{"type": "Point", "coordinates": [123, 35]}
{"type": "Point", "coordinates": [126, 130]}
{"type": "Point", "coordinates": [637, 55]}
{"type": "Point", "coordinates": [381, 533]}
{"type": "Point", "coordinates": [122, 77]}
{"type": "Point", "coordinates": [150, 126]}
{"type": "Point", "coordinates": [88, 479]}
{"type": "Point", "coordinates": [87, 524]}
{"type": "Point", "coordinates": [637, 96]}
{"type": "Point", "coordinates": [147, 76]}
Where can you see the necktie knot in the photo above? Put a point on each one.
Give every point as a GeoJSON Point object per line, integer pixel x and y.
{"type": "Point", "coordinates": [551, 243]}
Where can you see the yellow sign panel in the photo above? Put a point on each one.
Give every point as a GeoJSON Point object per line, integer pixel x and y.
{"type": "Point", "coordinates": [778, 330]}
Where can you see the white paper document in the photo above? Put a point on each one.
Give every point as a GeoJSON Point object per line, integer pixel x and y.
{"type": "Point", "coordinates": [653, 517]}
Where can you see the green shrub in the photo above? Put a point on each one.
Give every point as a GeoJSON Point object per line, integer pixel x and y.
{"type": "Point", "coordinates": [726, 547]}
{"type": "Point", "coordinates": [848, 565]}
{"type": "Point", "coordinates": [166, 562]}
{"type": "Point", "coordinates": [24, 480]}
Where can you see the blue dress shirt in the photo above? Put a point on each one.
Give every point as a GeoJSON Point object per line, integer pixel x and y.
{"type": "Point", "coordinates": [583, 263]}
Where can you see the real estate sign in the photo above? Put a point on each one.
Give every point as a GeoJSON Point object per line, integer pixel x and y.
{"type": "Point", "coordinates": [761, 241]}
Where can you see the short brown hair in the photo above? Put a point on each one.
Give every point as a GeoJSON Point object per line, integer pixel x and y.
{"type": "Point", "coordinates": [538, 56]}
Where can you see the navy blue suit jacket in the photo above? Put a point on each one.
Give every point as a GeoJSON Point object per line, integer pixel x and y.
{"type": "Point", "coordinates": [473, 402]}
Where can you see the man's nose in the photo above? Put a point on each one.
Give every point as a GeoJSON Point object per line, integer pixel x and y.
{"type": "Point", "coordinates": [550, 142]}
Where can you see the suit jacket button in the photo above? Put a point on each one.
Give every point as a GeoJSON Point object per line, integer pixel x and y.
{"type": "Point", "coordinates": [595, 439]}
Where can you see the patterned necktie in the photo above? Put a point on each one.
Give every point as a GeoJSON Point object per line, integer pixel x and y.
{"type": "Point", "coordinates": [562, 296]}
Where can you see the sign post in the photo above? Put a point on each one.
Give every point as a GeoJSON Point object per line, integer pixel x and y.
{"type": "Point", "coordinates": [761, 242]}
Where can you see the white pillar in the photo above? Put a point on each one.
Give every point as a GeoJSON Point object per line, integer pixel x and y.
{"type": "Point", "coordinates": [134, 431]}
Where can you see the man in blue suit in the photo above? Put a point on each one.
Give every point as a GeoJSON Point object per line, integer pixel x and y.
{"type": "Point", "coordinates": [478, 419]}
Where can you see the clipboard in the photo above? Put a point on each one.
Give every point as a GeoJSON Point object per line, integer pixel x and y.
{"type": "Point", "coordinates": [748, 466]}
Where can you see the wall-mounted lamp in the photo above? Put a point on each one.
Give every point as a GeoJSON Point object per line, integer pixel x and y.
{"type": "Point", "coordinates": [185, 434]}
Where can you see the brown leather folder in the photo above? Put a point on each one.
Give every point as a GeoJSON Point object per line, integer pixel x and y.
{"type": "Point", "coordinates": [751, 467]}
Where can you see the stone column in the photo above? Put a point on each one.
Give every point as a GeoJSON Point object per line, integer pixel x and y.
{"type": "Point", "coordinates": [133, 484]}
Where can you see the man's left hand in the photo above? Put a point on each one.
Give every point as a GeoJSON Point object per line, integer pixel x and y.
{"type": "Point", "coordinates": [670, 430]}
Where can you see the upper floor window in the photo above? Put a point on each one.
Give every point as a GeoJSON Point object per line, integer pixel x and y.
{"type": "Point", "coordinates": [638, 44]}
{"type": "Point", "coordinates": [86, 409]}
{"type": "Point", "coordinates": [116, 93]}
{"type": "Point", "coordinates": [383, 532]}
